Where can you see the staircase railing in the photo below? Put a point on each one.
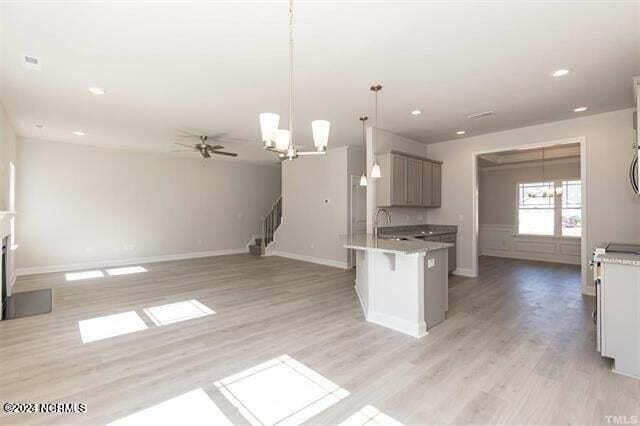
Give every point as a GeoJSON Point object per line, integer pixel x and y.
{"type": "Point", "coordinates": [270, 223]}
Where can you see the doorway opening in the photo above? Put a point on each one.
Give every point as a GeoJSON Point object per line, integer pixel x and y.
{"type": "Point", "coordinates": [530, 203]}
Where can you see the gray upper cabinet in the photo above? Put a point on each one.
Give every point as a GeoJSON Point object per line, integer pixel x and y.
{"type": "Point", "coordinates": [398, 174]}
{"type": "Point", "coordinates": [437, 185]}
{"type": "Point", "coordinates": [414, 182]}
{"type": "Point", "coordinates": [427, 183]}
{"type": "Point", "coordinates": [408, 180]}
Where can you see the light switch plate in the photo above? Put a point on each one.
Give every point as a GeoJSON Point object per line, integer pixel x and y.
{"type": "Point", "coordinates": [431, 263]}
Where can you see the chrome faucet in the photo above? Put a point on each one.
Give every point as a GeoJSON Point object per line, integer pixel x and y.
{"type": "Point", "coordinates": [375, 225]}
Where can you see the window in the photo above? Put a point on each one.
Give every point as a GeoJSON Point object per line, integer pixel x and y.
{"type": "Point", "coordinates": [550, 208]}
{"type": "Point", "coordinates": [571, 208]}
{"type": "Point", "coordinates": [535, 214]}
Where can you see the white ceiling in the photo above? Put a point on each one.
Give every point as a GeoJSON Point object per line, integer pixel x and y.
{"type": "Point", "coordinates": [217, 65]}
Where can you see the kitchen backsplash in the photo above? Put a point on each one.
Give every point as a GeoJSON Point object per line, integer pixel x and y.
{"type": "Point", "coordinates": [405, 216]}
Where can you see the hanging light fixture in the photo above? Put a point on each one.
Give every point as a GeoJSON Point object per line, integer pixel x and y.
{"type": "Point", "coordinates": [546, 192]}
{"type": "Point", "coordinates": [281, 141]}
{"type": "Point", "coordinates": [363, 178]}
{"type": "Point", "coordinates": [375, 170]}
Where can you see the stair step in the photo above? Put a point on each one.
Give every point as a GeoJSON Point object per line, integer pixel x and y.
{"type": "Point", "coordinates": [258, 241]}
{"type": "Point", "coordinates": [256, 250]}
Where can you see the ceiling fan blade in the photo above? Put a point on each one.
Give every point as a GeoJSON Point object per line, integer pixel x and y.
{"type": "Point", "coordinates": [214, 147]}
{"type": "Point", "coordinates": [182, 144]}
{"type": "Point", "coordinates": [230, 154]}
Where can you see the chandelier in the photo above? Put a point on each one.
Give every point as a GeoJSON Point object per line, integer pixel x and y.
{"type": "Point", "coordinates": [280, 141]}
{"type": "Point", "coordinates": [545, 192]}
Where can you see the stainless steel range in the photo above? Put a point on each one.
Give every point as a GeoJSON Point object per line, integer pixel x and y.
{"type": "Point", "coordinates": [616, 273]}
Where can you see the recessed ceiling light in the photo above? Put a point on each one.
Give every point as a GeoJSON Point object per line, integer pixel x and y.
{"type": "Point", "coordinates": [580, 109]}
{"type": "Point", "coordinates": [78, 133]}
{"type": "Point", "coordinates": [96, 90]}
{"type": "Point", "coordinates": [416, 112]}
{"type": "Point", "coordinates": [559, 73]}
{"type": "Point", "coordinates": [40, 126]}
{"type": "Point", "coordinates": [461, 132]}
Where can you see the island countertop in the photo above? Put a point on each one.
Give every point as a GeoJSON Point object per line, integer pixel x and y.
{"type": "Point", "coordinates": [406, 245]}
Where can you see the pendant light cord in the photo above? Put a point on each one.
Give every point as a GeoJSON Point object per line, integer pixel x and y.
{"type": "Point", "coordinates": [290, 74]}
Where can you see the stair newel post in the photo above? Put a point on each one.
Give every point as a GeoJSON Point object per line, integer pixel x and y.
{"type": "Point", "coordinates": [264, 235]}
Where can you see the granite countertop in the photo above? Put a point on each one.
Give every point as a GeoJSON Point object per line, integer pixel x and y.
{"type": "Point", "coordinates": [619, 258]}
{"type": "Point", "coordinates": [418, 230]}
{"type": "Point", "coordinates": [408, 246]}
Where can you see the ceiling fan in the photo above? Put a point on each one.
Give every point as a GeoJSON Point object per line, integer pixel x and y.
{"type": "Point", "coordinates": [205, 148]}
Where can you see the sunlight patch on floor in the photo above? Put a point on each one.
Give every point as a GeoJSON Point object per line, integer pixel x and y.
{"type": "Point", "coordinates": [192, 408]}
{"type": "Point", "coordinates": [127, 270]}
{"type": "Point", "coordinates": [280, 391]}
{"type": "Point", "coordinates": [176, 312]}
{"type": "Point", "coordinates": [370, 415]}
{"type": "Point", "coordinates": [110, 326]}
{"type": "Point", "coordinates": [84, 275]}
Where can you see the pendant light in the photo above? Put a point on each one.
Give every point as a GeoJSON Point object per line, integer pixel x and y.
{"type": "Point", "coordinates": [363, 178]}
{"type": "Point", "coordinates": [375, 170]}
{"type": "Point", "coordinates": [281, 141]}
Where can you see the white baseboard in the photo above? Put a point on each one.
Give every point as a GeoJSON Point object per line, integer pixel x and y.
{"type": "Point", "coordinates": [416, 330]}
{"type": "Point", "coordinates": [311, 259]}
{"type": "Point", "coordinates": [464, 272]}
{"type": "Point", "coordinates": [124, 262]}
{"type": "Point", "coordinates": [552, 258]}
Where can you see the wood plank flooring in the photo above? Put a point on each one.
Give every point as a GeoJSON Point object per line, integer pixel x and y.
{"type": "Point", "coordinates": [518, 346]}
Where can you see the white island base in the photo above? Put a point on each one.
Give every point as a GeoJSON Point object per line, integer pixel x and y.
{"type": "Point", "coordinates": [404, 292]}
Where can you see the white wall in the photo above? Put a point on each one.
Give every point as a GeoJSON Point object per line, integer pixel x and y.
{"type": "Point", "coordinates": [80, 205]}
{"type": "Point", "coordinates": [7, 154]}
{"type": "Point", "coordinates": [613, 209]}
{"type": "Point", "coordinates": [315, 193]}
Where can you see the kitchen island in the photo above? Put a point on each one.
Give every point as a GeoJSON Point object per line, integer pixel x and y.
{"type": "Point", "coordinates": [402, 282]}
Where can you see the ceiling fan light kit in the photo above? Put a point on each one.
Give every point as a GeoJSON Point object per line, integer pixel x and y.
{"type": "Point", "coordinates": [273, 138]}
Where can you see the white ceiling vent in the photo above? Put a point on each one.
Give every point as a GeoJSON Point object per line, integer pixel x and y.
{"type": "Point", "coordinates": [31, 62]}
{"type": "Point", "coordinates": [482, 114]}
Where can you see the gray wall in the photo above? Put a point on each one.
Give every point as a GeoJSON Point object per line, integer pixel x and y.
{"type": "Point", "coordinates": [315, 196]}
{"type": "Point", "coordinates": [497, 187]}
{"type": "Point", "coordinates": [80, 204]}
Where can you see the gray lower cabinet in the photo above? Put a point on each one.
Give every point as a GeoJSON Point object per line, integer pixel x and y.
{"type": "Point", "coordinates": [408, 181]}
{"type": "Point", "coordinates": [452, 251]}
{"type": "Point", "coordinates": [436, 287]}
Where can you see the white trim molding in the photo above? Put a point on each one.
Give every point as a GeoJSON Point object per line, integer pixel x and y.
{"type": "Point", "coordinates": [416, 330]}
{"type": "Point", "coordinates": [124, 262]}
{"type": "Point", "coordinates": [504, 241]}
{"type": "Point", "coordinates": [464, 272]}
{"type": "Point", "coordinates": [311, 259]}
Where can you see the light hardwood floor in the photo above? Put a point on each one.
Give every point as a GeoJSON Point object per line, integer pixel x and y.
{"type": "Point", "coordinates": [518, 345]}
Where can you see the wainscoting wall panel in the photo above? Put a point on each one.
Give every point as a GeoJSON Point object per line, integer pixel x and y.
{"type": "Point", "coordinates": [503, 241]}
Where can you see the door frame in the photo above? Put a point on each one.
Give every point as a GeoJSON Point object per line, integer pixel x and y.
{"type": "Point", "coordinates": [584, 179]}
